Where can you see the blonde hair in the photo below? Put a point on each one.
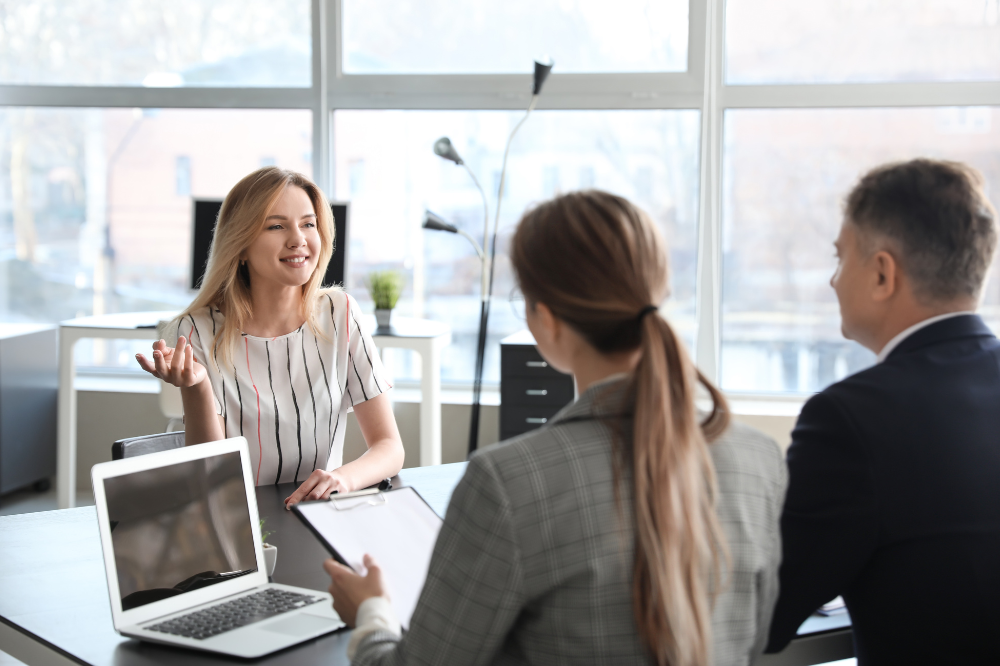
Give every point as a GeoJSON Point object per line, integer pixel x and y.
{"type": "Point", "coordinates": [226, 284]}
{"type": "Point", "coordinates": [598, 263]}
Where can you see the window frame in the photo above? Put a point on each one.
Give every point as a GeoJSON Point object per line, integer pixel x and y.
{"type": "Point", "coordinates": [701, 87]}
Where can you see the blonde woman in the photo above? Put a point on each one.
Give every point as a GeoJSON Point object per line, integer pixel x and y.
{"type": "Point", "coordinates": [263, 352]}
{"type": "Point", "coordinates": [628, 529]}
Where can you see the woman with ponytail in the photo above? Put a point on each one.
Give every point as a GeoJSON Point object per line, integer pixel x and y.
{"type": "Point", "coordinates": [631, 528]}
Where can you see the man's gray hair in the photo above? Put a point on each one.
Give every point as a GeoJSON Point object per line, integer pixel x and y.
{"type": "Point", "coordinates": [936, 216]}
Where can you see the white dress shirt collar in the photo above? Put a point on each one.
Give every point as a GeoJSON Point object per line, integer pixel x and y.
{"type": "Point", "coordinates": [892, 344]}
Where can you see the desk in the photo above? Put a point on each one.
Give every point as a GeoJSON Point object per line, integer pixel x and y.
{"type": "Point", "coordinates": [128, 326]}
{"type": "Point", "coordinates": [425, 337]}
{"type": "Point", "coordinates": [54, 610]}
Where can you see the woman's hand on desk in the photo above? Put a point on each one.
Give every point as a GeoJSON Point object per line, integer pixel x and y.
{"type": "Point", "coordinates": [175, 366]}
{"type": "Point", "coordinates": [319, 485]}
{"type": "Point", "coordinates": [349, 589]}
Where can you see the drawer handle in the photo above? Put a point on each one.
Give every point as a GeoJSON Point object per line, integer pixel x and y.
{"type": "Point", "coordinates": [536, 392]}
{"type": "Point", "coordinates": [537, 364]}
{"type": "Point", "coordinates": [535, 420]}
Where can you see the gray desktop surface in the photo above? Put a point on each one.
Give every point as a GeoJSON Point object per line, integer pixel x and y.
{"type": "Point", "coordinates": [54, 591]}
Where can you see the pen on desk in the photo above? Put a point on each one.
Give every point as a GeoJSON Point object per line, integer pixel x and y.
{"type": "Point", "coordinates": [356, 493]}
{"type": "Point", "coordinates": [335, 495]}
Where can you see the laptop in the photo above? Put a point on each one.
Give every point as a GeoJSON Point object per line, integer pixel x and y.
{"type": "Point", "coordinates": [183, 559]}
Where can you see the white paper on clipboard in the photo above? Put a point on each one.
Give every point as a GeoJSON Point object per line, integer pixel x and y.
{"type": "Point", "coordinates": [396, 527]}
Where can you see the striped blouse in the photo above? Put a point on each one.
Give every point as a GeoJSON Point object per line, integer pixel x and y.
{"type": "Point", "coordinates": [290, 395]}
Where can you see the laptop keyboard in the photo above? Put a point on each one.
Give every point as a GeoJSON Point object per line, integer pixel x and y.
{"type": "Point", "coordinates": [234, 614]}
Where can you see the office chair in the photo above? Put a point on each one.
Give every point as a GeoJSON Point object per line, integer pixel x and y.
{"type": "Point", "coordinates": [140, 446]}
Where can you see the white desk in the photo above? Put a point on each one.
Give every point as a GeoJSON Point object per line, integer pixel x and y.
{"type": "Point", "coordinates": [128, 326]}
{"type": "Point", "coordinates": [427, 338]}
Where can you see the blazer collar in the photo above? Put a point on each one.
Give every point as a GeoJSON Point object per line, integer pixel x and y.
{"type": "Point", "coordinates": [605, 399]}
{"type": "Point", "coordinates": [953, 328]}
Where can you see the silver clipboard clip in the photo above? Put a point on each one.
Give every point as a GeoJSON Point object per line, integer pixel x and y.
{"type": "Point", "coordinates": [347, 503]}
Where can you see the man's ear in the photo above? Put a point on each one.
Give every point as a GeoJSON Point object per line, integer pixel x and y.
{"type": "Point", "coordinates": [886, 276]}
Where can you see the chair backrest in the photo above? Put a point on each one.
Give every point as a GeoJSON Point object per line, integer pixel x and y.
{"type": "Point", "coordinates": [140, 446]}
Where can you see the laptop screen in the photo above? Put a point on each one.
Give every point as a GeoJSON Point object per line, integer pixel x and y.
{"type": "Point", "coordinates": [179, 528]}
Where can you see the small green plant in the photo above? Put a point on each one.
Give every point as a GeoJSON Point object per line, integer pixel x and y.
{"type": "Point", "coordinates": [385, 288]}
{"type": "Point", "coordinates": [264, 534]}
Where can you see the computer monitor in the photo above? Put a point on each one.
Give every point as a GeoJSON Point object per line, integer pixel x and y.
{"type": "Point", "coordinates": [206, 212]}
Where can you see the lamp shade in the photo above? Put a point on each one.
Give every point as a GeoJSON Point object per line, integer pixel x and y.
{"type": "Point", "coordinates": [437, 223]}
{"type": "Point", "coordinates": [443, 148]}
{"type": "Point", "coordinates": [542, 69]}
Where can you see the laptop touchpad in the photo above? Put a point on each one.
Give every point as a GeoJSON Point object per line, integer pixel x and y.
{"type": "Point", "coordinates": [302, 624]}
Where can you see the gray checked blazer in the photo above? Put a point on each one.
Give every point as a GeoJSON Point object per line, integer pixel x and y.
{"type": "Point", "coordinates": [533, 564]}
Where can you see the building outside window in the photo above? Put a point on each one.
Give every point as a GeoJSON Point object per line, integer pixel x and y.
{"type": "Point", "coordinates": [183, 177]}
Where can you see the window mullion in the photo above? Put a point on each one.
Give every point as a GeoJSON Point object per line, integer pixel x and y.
{"type": "Point", "coordinates": [707, 344]}
{"type": "Point", "coordinates": [859, 95]}
{"type": "Point", "coordinates": [321, 98]}
{"type": "Point", "coordinates": [155, 98]}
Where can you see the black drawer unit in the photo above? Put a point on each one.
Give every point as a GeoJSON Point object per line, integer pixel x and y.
{"type": "Point", "coordinates": [531, 392]}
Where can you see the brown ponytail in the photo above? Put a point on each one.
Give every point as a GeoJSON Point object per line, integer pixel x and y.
{"type": "Point", "coordinates": [598, 262]}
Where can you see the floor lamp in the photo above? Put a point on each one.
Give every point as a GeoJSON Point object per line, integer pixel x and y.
{"type": "Point", "coordinates": [444, 149]}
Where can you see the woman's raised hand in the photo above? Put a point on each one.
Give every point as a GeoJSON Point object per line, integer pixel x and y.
{"type": "Point", "coordinates": [176, 366]}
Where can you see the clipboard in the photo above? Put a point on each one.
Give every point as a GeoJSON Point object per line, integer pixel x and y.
{"type": "Point", "coordinates": [396, 527]}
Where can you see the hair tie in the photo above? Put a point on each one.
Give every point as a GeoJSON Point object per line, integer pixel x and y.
{"type": "Point", "coordinates": [646, 310]}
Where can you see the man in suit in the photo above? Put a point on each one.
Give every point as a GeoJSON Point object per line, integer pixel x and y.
{"type": "Point", "coordinates": [894, 490]}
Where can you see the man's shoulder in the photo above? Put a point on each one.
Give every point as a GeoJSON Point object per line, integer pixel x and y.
{"type": "Point", "coordinates": [914, 374]}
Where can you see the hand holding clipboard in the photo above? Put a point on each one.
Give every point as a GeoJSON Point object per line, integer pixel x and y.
{"type": "Point", "coordinates": [349, 589]}
{"type": "Point", "coordinates": [396, 527]}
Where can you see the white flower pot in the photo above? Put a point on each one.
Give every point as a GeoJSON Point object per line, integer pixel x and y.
{"type": "Point", "coordinates": [270, 558]}
{"type": "Point", "coordinates": [383, 317]}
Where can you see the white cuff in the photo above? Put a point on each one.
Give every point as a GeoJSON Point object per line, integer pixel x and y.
{"type": "Point", "coordinates": [374, 614]}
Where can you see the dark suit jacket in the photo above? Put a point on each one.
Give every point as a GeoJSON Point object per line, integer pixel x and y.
{"type": "Point", "coordinates": [894, 502]}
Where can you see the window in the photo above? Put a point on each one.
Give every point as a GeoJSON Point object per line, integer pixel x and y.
{"type": "Point", "coordinates": [848, 41]}
{"type": "Point", "coordinates": [788, 171]}
{"type": "Point", "coordinates": [486, 37]}
{"type": "Point", "coordinates": [183, 176]}
{"type": "Point", "coordinates": [113, 119]}
{"type": "Point", "coordinates": [156, 43]}
{"type": "Point", "coordinates": [605, 147]}
{"type": "Point", "coordinates": [785, 171]}
{"type": "Point", "coordinates": [98, 218]}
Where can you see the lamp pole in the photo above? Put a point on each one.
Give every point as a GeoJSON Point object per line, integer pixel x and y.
{"type": "Point", "coordinates": [444, 148]}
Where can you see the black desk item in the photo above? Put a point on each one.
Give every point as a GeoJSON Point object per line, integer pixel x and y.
{"type": "Point", "coordinates": [140, 446]}
{"type": "Point", "coordinates": [206, 212]}
{"type": "Point", "coordinates": [28, 396]}
{"type": "Point", "coordinates": [531, 391]}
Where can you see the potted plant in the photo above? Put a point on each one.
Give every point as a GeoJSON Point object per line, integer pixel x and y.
{"type": "Point", "coordinates": [270, 552]}
{"type": "Point", "coordinates": [385, 288]}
